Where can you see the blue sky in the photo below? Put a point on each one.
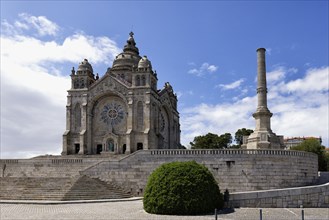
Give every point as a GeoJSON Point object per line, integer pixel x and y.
{"type": "Point", "coordinates": [205, 49]}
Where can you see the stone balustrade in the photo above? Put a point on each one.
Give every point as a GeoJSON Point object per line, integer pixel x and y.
{"type": "Point", "coordinates": [229, 151]}
{"type": "Point", "coordinates": [66, 161]}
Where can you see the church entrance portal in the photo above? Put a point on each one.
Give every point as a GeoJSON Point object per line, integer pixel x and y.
{"type": "Point", "coordinates": [139, 146]}
{"type": "Point", "coordinates": [99, 149]}
{"type": "Point", "coordinates": [110, 145]}
{"type": "Point", "coordinates": [77, 148]}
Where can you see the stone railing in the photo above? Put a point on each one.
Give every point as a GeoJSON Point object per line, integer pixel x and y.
{"type": "Point", "coordinates": [53, 161]}
{"type": "Point", "coordinates": [9, 161]}
{"type": "Point", "coordinates": [231, 152]}
{"type": "Point", "coordinates": [66, 161]}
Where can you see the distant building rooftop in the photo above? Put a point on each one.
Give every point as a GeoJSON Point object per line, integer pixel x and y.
{"type": "Point", "coordinates": [294, 141]}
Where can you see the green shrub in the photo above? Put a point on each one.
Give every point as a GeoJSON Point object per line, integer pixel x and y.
{"type": "Point", "coordinates": [182, 188]}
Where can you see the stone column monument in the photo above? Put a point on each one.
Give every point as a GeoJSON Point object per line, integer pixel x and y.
{"type": "Point", "coordinates": [263, 137]}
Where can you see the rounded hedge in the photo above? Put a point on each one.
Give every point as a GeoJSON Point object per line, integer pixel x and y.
{"type": "Point", "coordinates": [182, 188]}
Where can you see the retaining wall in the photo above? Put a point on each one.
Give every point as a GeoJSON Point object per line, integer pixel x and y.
{"type": "Point", "coordinates": [235, 170]}
{"type": "Point", "coordinates": [45, 167]}
{"type": "Point", "coordinates": [307, 197]}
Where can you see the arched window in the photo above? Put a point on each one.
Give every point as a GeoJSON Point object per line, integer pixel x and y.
{"type": "Point", "coordinates": [76, 84]}
{"type": "Point", "coordinates": [77, 117]}
{"type": "Point", "coordinates": [140, 116]}
{"type": "Point", "coordinates": [82, 83]}
{"type": "Point", "coordinates": [164, 128]}
{"type": "Point", "coordinates": [137, 81]}
{"type": "Point", "coordinates": [143, 81]}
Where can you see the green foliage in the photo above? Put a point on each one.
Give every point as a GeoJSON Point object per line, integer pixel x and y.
{"type": "Point", "coordinates": [314, 146]}
{"type": "Point", "coordinates": [240, 133]}
{"type": "Point", "coordinates": [212, 141]}
{"type": "Point", "coordinates": [225, 140]}
{"type": "Point", "coordinates": [182, 188]}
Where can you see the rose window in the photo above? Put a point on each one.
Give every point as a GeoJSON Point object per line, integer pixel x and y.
{"type": "Point", "coordinates": [112, 113]}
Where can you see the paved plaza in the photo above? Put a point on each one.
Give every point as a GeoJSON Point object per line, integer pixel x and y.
{"type": "Point", "coordinates": [134, 210]}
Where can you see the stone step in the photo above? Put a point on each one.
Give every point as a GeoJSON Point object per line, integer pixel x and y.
{"type": "Point", "coordinates": [50, 188]}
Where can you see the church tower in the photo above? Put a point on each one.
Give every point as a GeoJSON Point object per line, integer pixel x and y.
{"type": "Point", "coordinates": [84, 76]}
{"type": "Point", "coordinates": [262, 137]}
{"type": "Point", "coordinates": [121, 112]}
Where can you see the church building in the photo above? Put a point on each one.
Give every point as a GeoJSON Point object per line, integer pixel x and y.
{"type": "Point", "coordinates": [121, 112]}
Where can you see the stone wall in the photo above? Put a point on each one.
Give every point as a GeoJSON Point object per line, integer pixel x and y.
{"type": "Point", "coordinates": [235, 170]}
{"type": "Point", "coordinates": [45, 167]}
{"type": "Point", "coordinates": [307, 197]}
{"type": "Point", "coordinates": [323, 177]}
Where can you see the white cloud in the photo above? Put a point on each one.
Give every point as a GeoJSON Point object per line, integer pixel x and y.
{"type": "Point", "coordinates": [275, 75]}
{"type": "Point", "coordinates": [300, 108]}
{"type": "Point", "coordinates": [30, 50]}
{"type": "Point", "coordinates": [203, 69]}
{"type": "Point", "coordinates": [218, 119]}
{"type": "Point", "coordinates": [269, 51]}
{"type": "Point", "coordinates": [41, 24]}
{"type": "Point", "coordinates": [21, 25]}
{"type": "Point", "coordinates": [315, 80]}
{"type": "Point", "coordinates": [212, 68]}
{"type": "Point", "coordinates": [279, 74]}
{"type": "Point", "coordinates": [184, 93]}
{"type": "Point", "coordinates": [230, 86]}
{"type": "Point", "coordinates": [33, 85]}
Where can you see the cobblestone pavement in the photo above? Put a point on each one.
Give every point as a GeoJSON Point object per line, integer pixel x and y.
{"type": "Point", "coordinates": [134, 210]}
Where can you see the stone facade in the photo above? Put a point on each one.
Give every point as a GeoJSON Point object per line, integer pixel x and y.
{"type": "Point", "coordinates": [121, 112]}
{"type": "Point", "coordinates": [262, 137]}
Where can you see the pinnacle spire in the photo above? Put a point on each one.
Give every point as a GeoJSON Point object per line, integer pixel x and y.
{"type": "Point", "coordinates": [131, 44]}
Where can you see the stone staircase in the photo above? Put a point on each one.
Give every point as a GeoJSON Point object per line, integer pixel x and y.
{"type": "Point", "coordinates": [86, 188]}
{"type": "Point", "coordinates": [58, 189]}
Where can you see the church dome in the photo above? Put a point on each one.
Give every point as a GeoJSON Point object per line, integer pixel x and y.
{"type": "Point", "coordinates": [85, 66]}
{"type": "Point", "coordinates": [144, 63]}
{"type": "Point", "coordinates": [130, 55]}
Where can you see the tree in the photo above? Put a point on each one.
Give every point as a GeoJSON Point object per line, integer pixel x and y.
{"type": "Point", "coordinates": [208, 141]}
{"type": "Point", "coordinates": [225, 140]}
{"type": "Point", "coordinates": [212, 141]}
{"type": "Point", "coordinates": [314, 146]}
{"type": "Point", "coordinates": [240, 133]}
{"type": "Point", "coordinates": [182, 188]}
